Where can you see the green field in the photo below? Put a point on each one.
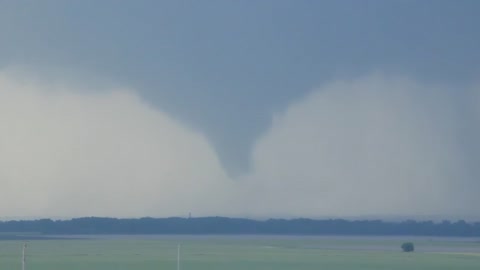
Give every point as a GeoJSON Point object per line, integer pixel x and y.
{"type": "Point", "coordinates": [237, 252]}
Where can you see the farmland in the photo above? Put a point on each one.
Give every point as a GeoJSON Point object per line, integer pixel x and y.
{"type": "Point", "coordinates": [241, 252]}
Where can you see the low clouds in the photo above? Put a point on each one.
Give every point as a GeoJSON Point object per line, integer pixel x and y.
{"type": "Point", "coordinates": [373, 146]}
{"type": "Point", "coordinates": [370, 146]}
{"type": "Point", "coordinates": [68, 152]}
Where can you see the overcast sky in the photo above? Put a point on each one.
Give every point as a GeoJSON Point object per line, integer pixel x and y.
{"type": "Point", "coordinates": [240, 108]}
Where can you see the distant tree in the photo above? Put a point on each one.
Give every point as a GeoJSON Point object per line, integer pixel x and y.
{"type": "Point", "coordinates": [408, 247]}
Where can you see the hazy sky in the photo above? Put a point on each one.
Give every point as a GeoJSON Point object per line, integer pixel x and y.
{"type": "Point", "coordinates": [240, 108]}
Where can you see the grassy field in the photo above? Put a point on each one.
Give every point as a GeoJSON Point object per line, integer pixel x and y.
{"type": "Point", "coordinates": [235, 252]}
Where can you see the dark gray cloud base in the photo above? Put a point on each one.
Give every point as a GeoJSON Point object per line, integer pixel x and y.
{"type": "Point", "coordinates": [376, 145]}
{"type": "Point", "coordinates": [223, 67]}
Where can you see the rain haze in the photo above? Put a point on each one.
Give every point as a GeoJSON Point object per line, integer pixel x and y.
{"type": "Point", "coordinates": [240, 108]}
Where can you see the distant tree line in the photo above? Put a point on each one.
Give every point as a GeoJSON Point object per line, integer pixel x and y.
{"type": "Point", "coordinates": [223, 225]}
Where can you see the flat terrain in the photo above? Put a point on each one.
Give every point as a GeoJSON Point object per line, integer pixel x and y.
{"type": "Point", "coordinates": [241, 252]}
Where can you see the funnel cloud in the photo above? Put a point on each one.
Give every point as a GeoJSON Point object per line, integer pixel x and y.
{"type": "Point", "coordinates": [376, 145]}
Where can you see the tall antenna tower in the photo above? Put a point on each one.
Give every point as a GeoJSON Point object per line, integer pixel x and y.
{"type": "Point", "coordinates": [24, 261]}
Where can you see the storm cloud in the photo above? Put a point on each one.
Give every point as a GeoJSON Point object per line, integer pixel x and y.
{"type": "Point", "coordinates": [376, 145]}
{"type": "Point", "coordinates": [66, 152]}
{"type": "Point", "coordinates": [373, 146]}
